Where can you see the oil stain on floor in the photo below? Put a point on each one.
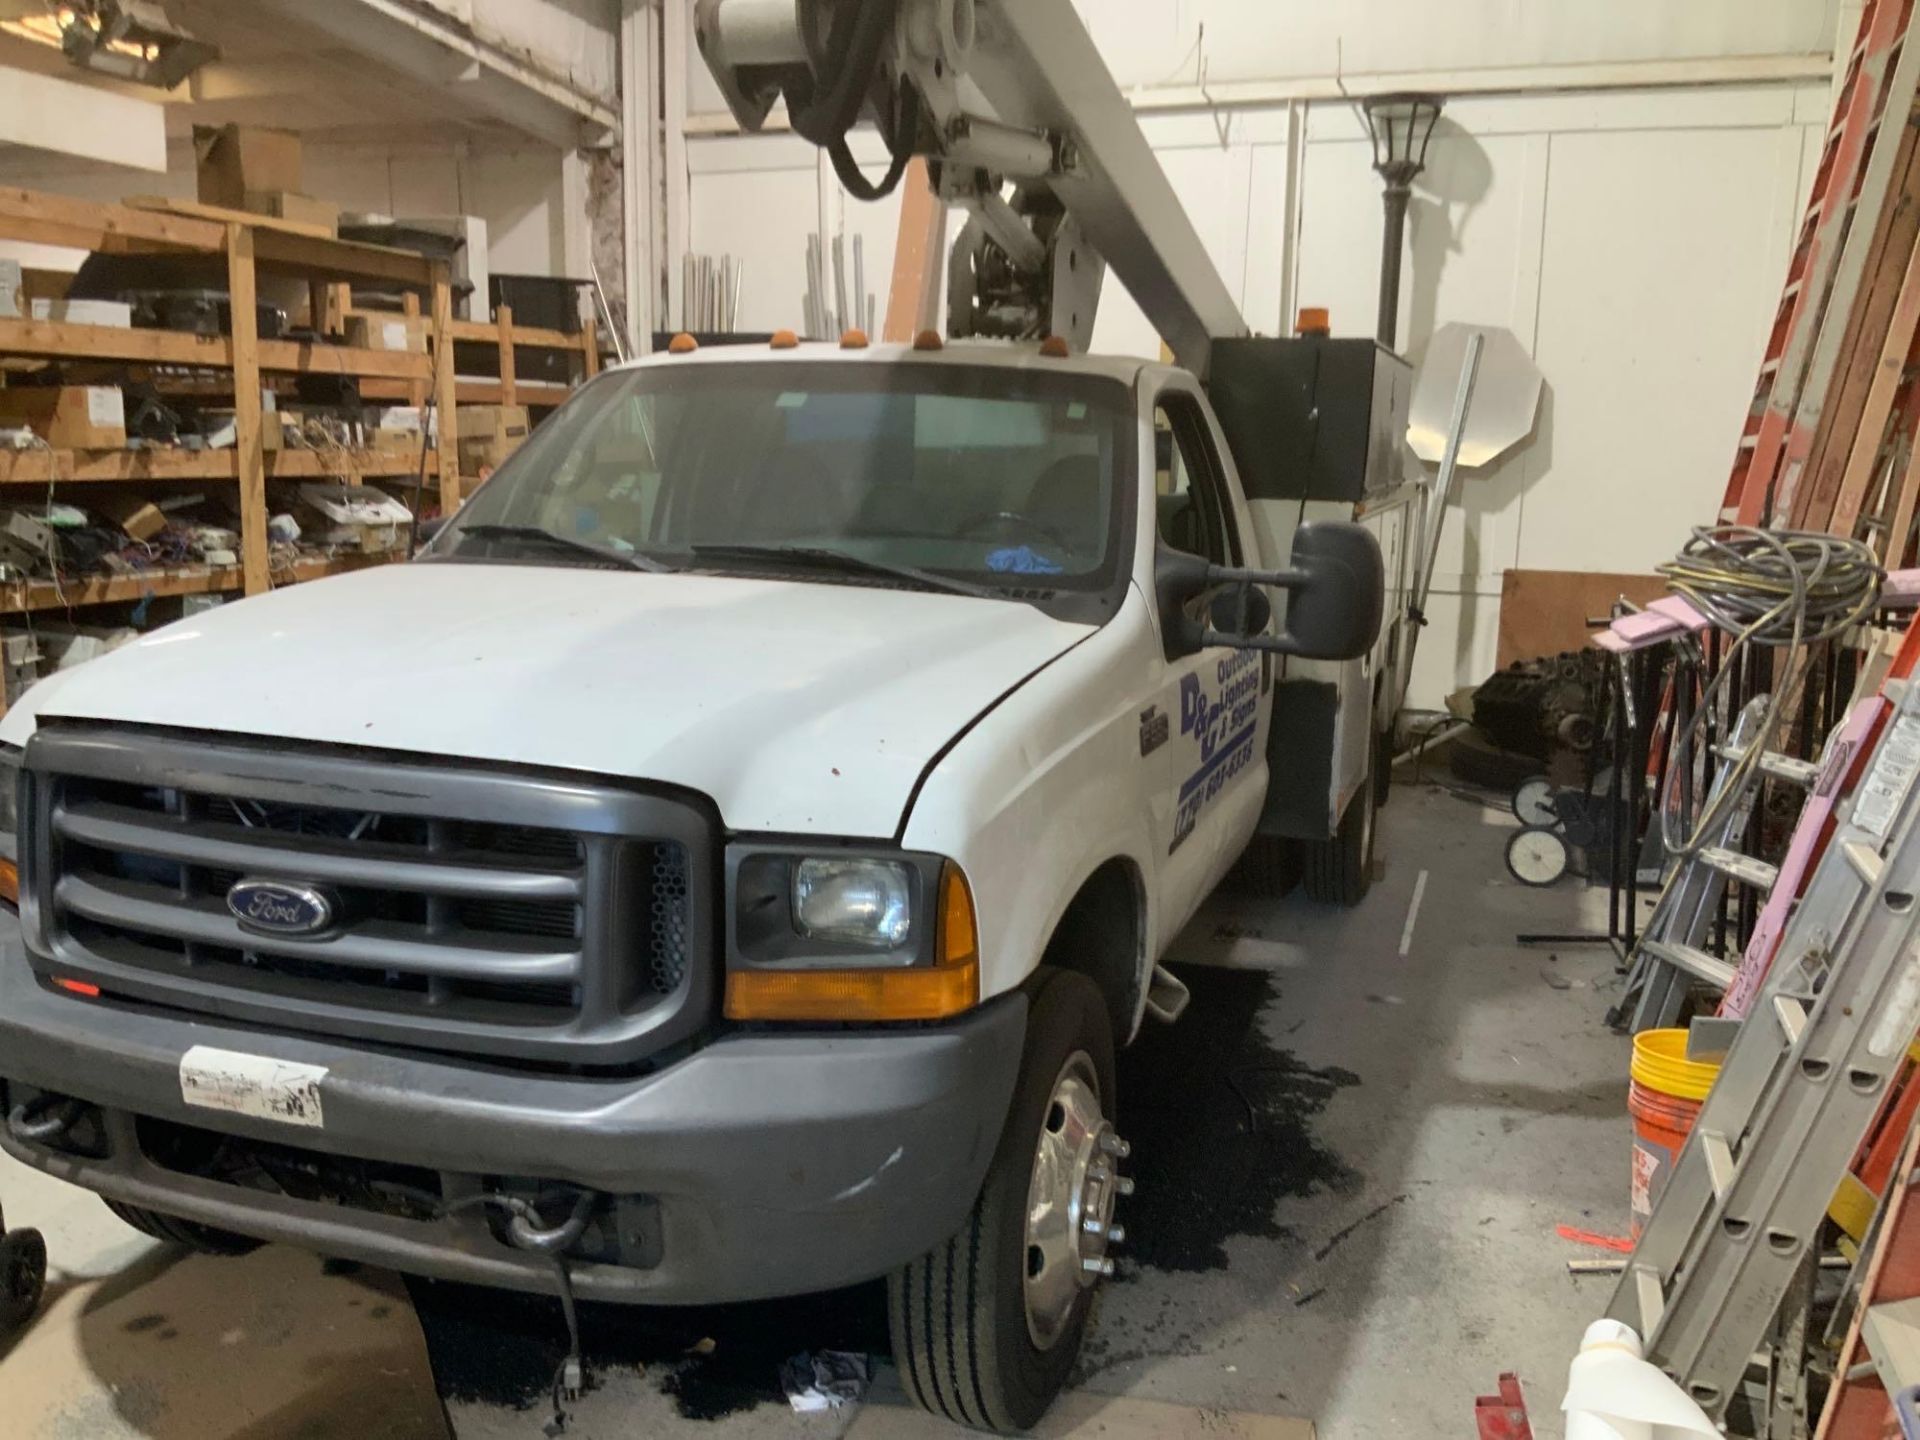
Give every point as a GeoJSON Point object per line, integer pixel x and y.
{"type": "Point", "coordinates": [1221, 1120]}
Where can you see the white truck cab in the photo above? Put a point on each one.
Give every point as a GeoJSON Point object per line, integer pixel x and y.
{"type": "Point", "coordinates": [722, 865]}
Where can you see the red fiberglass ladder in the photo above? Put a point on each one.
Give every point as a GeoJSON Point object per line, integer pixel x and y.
{"type": "Point", "coordinates": [1807, 343]}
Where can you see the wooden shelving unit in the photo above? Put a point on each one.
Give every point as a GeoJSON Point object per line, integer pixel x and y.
{"type": "Point", "coordinates": [251, 246]}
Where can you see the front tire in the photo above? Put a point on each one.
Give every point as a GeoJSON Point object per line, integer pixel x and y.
{"type": "Point", "coordinates": [986, 1326]}
{"type": "Point", "coordinates": [1340, 869]}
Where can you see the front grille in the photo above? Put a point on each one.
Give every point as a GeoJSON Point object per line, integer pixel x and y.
{"type": "Point", "coordinates": [484, 912]}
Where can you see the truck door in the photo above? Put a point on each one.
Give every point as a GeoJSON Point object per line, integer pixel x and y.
{"type": "Point", "coordinates": [1213, 775]}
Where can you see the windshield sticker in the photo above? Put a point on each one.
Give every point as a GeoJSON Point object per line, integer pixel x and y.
{"type": "Point", "coordinates": [1222, 717]}
{"type": "Point", "coordinates": [1022, 560]}
{"type": "Point", "coordinates": [791, 400]}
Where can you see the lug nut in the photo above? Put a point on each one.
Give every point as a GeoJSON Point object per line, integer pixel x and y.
{"type": "Point", "coordinates": [1101, 1266]}
{"type": "Point", "coordinates": [1111, 1144]}
{"type": "Point", "coordinates": [1099, 1172]}
{"type": "Point", "coordinates": [1116, 1234]}
{"type": "Point", "coordinates": [1093, 1226]}
{"type": "Point", "coordinates": [1123, 1186]}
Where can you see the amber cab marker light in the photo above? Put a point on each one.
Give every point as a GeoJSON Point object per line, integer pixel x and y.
{"type": "Point", "coordinates": [10, 883]}
{"type": "Point", "coordinates": [78, 987]}
{"type": "Point", "coordinates": [854, 340]}
{"type": "Point", "coordinates": [944, 989]}
{"type": "Point", "coordinates": [682, 344]}
{"type": "Point", "coordinates": [929, 340]}
{"type": "Point", "coordinates": [783, 340]}
{"type": "Point", "coordinates": [1054, 347]}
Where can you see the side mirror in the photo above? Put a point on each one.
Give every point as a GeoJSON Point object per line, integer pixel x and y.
{"type": "Point", "coordinates": [1336, 590]}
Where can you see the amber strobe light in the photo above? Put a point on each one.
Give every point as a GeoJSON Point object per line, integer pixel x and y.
{"type": "Point", "coordinates": [947, 987]}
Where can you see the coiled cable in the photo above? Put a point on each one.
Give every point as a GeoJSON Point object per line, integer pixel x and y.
{"type": "Point", "coordinates": [1779, 589]}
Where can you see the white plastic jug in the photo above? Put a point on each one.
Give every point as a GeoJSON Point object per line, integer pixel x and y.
{"type": "Point", "coordinates": [1614, 1394]}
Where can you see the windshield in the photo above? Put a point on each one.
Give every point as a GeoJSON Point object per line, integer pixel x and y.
{"type": "Point", "coordinates": [983, 476]}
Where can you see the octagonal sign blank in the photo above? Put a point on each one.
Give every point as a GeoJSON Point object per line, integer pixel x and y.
{"type": "Point", "coordinates": [1506, 394]}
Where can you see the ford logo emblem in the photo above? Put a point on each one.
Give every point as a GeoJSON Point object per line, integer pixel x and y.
{"type": "Point", "coordinates": [275, 907]}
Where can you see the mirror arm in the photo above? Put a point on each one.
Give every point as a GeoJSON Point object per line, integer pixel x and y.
{"type": "Point", "coordinates": [1278, 579]}
{"type": "Point", "coordinates": [1277, 644]}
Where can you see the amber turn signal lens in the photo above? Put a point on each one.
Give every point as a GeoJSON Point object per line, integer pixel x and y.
{"type": "Point", "coordinates": [10, 883]}
{"type": "Point", "coordinates": [948, 987]}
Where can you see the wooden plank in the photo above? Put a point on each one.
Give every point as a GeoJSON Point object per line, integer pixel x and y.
{"type": "Point", "coordinates": [416, 389]}
{"type": "Point", "coordinates": [1545, 612]}
{"type": "Point", "coordinates": [301, 358]}
{"type": "Point", "coordinates": [1892, 541]}
{"type": "Point", "coordinates": [22, 596]}
{"type": "Point", "coordinates": [527, 337]}
{"type": "Point", "coordinates": [445, 394]}
{"type": "Point", "coordinates": [916, 255]}
{"type": "Point", "coordinates": [1870, 435]}
{"type": "Point", "coordinates": [114, 467]}
{"type": "Point", "coordinates": [503, 323]}
{"type": "Point", "coordinates": [249, 459]}
{"type": "Point", "coordinates": [590, 340]}
{"type": "Point", "coordinates": [111, 229]}
{"type": "Point", "coordinates": [473, 392]}
{"type": "Point", "coordinates": [50, 340]}
{"type": "Point", "coordinates": [315, 258]}
{"type": "Point", "coordinates": [1809, 482]}
{"type": "Point", "coordinates": [221, 214]}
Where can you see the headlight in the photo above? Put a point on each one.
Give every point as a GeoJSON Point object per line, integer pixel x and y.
{"type": "Point", "coordinates": [848, 936]}
{"type": "Point", "coordinates": [855, 902]}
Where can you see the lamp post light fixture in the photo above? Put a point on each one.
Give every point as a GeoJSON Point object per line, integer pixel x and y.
{"type": "Point", "coordinates": [1402, 124]}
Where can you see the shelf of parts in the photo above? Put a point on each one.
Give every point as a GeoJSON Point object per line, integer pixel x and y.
{"type": "Point", "coordinates": [251, 246]}
{"type": "Point", "coordinates": [22, 596]}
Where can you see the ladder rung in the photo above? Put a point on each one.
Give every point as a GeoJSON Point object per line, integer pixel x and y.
{"type": "Point", "coordinates": [1792, 1016]}
{"type": "Point", "coordinates": [1652, 1300]}
{"type": "Point", "coordinates": [1694, 962]}
{"type": "Point", "coordinates": [1776, 765]}
{"type": "Point", "coordinates": [1720, 1163]}
{"type": "Point", "coordinates": [1735, 866]}
{"type": "Point", "coordinates": [1864, 859]}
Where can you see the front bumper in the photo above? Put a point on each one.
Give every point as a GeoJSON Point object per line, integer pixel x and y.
{"type": "Point", "coordinates": [772, 1164]}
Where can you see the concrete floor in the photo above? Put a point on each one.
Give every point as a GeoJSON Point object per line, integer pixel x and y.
{"type": "Point", "coordinates": [1352, 1156]}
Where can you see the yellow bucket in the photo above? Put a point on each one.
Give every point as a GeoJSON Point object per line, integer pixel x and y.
{"type": "Point", "coordinates": [1660, 1063]}
{"type": "Point", "coordinates": [1664, 1100]}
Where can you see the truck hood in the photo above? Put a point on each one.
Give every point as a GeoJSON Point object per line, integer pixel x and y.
{"type": "Point", "coordinates": [809, 708]}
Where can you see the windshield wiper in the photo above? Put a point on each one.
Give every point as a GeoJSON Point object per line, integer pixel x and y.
{"type": "Point", "coordinates": [555, 540]}
{"type": "Point", "coordinates": [821, 558]}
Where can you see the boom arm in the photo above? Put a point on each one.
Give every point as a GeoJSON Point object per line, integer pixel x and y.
{"type": "Point", "coordinates": [997, 94]}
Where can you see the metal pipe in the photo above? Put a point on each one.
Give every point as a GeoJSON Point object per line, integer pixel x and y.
{"type": "Point", "coordinates": [1392, 243]}
{"type": "Point", "coordinates": [839, 284]}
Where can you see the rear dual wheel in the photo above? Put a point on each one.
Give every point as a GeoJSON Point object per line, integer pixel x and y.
{"type": "Point", "coordinates": [986, 1326]}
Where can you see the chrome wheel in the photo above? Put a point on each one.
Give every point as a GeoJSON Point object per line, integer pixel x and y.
{"type": "Point", "coordinates": [1070, 1201]}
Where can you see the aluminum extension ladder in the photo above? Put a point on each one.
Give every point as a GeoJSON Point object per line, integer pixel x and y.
{"type": "Point", "coordinates": [1669, 957]}
{"type": "Point", "coordinates": [1802, 1081]}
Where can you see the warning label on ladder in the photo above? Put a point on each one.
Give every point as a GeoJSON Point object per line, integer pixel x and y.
{"type": "Point", "coordinates": [1885, 788]}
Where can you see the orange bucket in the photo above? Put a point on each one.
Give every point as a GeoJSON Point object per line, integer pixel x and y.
{"type": "Point", "coordinates": [1664, 1100]}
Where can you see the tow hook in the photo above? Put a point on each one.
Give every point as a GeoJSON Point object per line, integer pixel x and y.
{"type": "Point", "coordinates": [56, 1115]}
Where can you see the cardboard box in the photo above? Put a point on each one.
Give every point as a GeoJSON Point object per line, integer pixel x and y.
{"type": "Point", "coordinates": [138, 516]}
{"type": "Point", "coordinates": [85, 312]}
{"type": "Point", "coordinates": [387, 332]}
{"type": "Point", "coordinates": [480, 458]}
{"type": "Point", "coordinates": [68, 417]}
{"type": "Point", "coordinates": [235, 159]}
{"type": "Point", "coordinates": [301, 209]}
{"type": "Point", "coordinates": [503, 423]}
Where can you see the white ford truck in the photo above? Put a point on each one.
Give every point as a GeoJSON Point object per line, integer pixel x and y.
{"type": "Point", "coordinates": [724, 863]}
